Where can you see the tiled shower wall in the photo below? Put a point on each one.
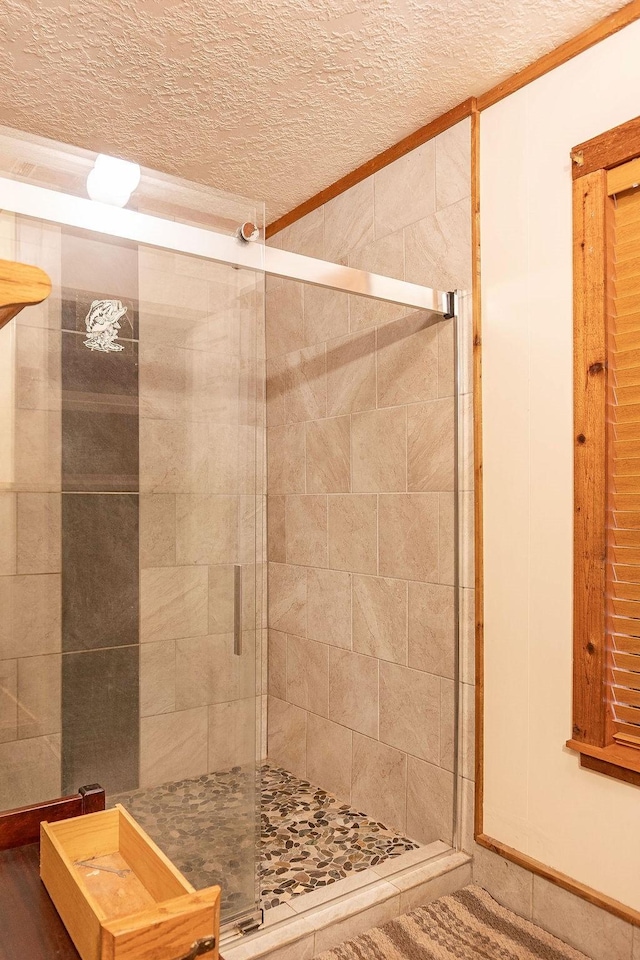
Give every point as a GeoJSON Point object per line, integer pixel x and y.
{"type": "Point", "coordinates": [200, 406]}
{"type": "Point", "coordinates": [30, 531]}
{"type": "Point", "coordinates": [82, 671]}
{"type": "Point", "coordinates": [360, 499]}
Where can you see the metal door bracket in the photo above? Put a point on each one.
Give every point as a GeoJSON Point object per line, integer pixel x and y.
{"type": "Point", "coordinates": [251, 923]}
{"type": "Point", "coordinates": [451, 305]}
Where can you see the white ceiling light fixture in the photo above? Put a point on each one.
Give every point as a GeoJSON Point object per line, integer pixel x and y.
{"type": "Point", "coordinates": [112, 180]}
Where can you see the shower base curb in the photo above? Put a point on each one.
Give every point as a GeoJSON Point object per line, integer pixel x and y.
{"type": "Point", "coordinates": [318, 921]}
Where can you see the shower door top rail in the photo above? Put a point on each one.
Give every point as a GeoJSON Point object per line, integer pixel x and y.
{"type": "Point", "coordinates": [57, 207]}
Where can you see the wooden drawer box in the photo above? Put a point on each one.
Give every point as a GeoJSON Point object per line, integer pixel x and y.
{"type": "Point", "coordinates": [138, 906]}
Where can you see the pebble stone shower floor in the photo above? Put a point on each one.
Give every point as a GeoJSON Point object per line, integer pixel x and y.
{"type": "Point", "coordinates": [308, 838]}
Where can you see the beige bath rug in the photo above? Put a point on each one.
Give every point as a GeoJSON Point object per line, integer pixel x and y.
{"type": "Point", "coordinates": [468, 925]}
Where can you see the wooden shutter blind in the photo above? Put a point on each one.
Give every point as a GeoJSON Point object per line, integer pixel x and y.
{"type": "Point", "coordinates": [623, 467]}
{"type": "Point", "coordinates": [606, 581]}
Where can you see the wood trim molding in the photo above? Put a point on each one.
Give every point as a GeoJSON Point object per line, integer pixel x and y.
{"type": "Point", "coordinates": [590, 202]}
{"type": "Point", "coordinates": [22, 826]}
{"type": "Point", "coordinates": [607, 150]}
{"type": "Point", "coordinates": [609, 769]}
{"type": "Point", "coordinates": [597, 733]}
{"type": "Point", "coordinates": [566, 51]}
{"type": "Point", "coordinates": [477, 470]}
{"type": "Point", "coordinates": [615, 907]}
{"type": "Point", "coordinates": [428, 132]}
{"type": "Point", "coordinates": [614, 760]}
{"type": "Point", "coordinates": [549, 61]}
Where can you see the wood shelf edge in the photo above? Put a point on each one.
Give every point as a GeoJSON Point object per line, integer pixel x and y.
{"type": "Point", "coordinates": [21, 285]}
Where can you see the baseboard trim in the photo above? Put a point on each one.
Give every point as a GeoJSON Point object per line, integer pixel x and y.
{"type": "Point", "coordinates": [581, 890]}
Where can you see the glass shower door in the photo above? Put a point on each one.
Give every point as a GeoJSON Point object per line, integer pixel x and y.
{"type": "Point", "coordinates": [199, 550]}
{"type": "Point", "coordinates": [131, 496]}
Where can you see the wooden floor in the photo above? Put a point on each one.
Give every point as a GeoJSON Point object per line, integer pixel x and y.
{"type": "Point", "coordinates": [30, 928]}
{"type": "Point", "coordinates": [29, 923]}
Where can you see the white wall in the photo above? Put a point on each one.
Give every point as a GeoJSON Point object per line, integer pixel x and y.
{"type": "Point", "coordinates": [537, 799]}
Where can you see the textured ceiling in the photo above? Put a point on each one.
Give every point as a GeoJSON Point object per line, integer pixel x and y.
{"type": "Point", "coordinates": [271, 99]}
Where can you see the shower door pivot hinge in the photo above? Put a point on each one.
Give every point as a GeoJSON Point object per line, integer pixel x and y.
{"type": "Point", "coordinates": [450, 304]}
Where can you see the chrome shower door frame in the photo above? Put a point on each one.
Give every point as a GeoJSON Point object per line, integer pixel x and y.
{"type": "Point", "coordinates": [45, 204]}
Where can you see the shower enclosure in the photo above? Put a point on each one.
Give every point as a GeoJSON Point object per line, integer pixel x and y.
{"type": "Point", "coordinates": [133, 505]}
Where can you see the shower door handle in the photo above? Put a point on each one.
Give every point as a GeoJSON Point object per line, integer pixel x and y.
{"type": "Point", "coordinates": [237, 609]}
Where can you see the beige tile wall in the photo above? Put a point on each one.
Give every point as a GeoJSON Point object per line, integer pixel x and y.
{"type": "Point", "coordinates": [360, 499]}
{"type": "Point", "coordinates": [30, 535]}
{"type": "Point", "coordinates": [201, 404]}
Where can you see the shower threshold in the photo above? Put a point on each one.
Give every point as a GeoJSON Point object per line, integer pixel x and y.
{"type": "Point", "coordinates": [314, 922]}
{"type": "Point", "coordinates": [329, 872]}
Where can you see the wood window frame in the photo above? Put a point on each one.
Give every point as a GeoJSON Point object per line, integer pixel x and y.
{"type": "Point", "coordinates": [594, 180]}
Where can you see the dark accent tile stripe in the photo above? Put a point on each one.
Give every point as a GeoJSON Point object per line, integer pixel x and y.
{"type": "Point", "coordinates": [99, 451]}
{"type": "Point", "coordinates": [100, 428]}
{"type": "Point", "coordinates": [100, 574]}
{"type": "Point", "coordinates": [100, 741]}
{"type": "Point", "coordinates": [100, 519]}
